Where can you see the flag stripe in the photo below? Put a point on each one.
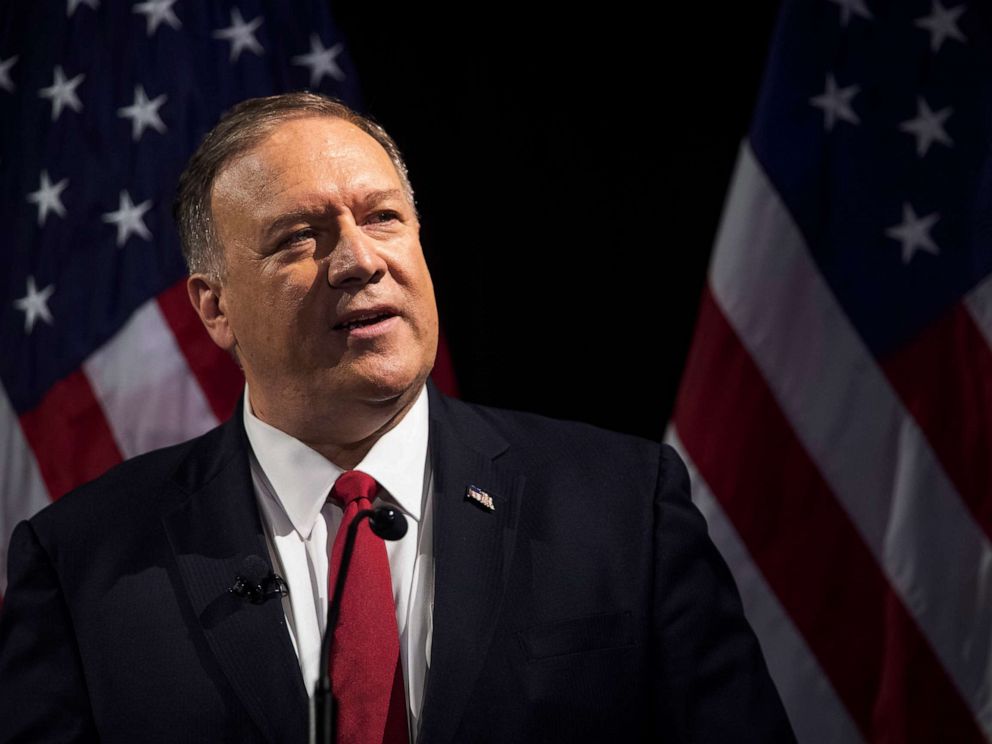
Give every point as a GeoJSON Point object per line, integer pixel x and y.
{"type": "Point", "coordinates": [944, 377]}
{"type": "Point", "coordinates": [443, 373]}
{"type": "Point", "coordinates": [880, 467]}
{"type": "Point", "coordinates": [817, 714]}
{"type": "Point", "coordinates": [804, 543]}
{"type": "Point", "coordinates": [20, 479]}
{"type": "Point", "coordinates": [979, 304]}
{"type": "Point", "coordinates": [140, 376]}
{"type": "Point", "coordinates": [219, 377]}
{"type": "Point", "coordinates": [69, 435]}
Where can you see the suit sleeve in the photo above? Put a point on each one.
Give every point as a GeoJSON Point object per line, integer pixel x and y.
{"type": "Point", "coordinates": [712, 683]}
{"type": "Point", "coordinates": [42, 690]}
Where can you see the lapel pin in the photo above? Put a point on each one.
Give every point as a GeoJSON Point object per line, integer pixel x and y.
{"type": "Point", "coordinates": [480, 497]}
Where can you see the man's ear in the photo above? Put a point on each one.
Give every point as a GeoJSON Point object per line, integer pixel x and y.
{"type": "Point", "coordinates": [209, 301]}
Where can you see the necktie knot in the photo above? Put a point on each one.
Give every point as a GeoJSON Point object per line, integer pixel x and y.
{"type": "Point", "coordinates": [352, 485]}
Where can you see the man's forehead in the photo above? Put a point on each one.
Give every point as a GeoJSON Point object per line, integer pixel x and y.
{"type": "Point", "coordinates": [320, 131]}
{"type": "Point", "coordinates": [299, 146]}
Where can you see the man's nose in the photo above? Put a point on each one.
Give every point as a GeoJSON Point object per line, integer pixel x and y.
{"type": "Point", "coordinates": [355, 260]}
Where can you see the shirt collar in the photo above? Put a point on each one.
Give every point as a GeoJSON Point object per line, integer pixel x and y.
{"type": "Point", "coordinates": [301, 478]}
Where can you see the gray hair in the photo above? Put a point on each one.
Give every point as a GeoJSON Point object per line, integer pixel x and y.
{"type": "Point", "coordinates": [240, 129]}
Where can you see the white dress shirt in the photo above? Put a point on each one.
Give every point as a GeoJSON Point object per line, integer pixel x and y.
{"type": "Point", "coordinates": [292, 483]}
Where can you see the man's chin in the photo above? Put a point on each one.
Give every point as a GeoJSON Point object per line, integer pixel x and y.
{"type": "Point", "coordinates": [386, 390]}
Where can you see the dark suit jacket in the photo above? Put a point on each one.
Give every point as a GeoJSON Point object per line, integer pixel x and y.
{"type": "Point", "coordinates": [589, 606]}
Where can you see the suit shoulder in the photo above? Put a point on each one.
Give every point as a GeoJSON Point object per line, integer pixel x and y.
{"type": "Point", "coordinates": [131, 488]}
{"type": "Point", "coordinates": [543, 438]}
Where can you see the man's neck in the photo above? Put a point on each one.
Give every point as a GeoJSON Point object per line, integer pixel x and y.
{"type": "Point", "coordinates": [342, 436]}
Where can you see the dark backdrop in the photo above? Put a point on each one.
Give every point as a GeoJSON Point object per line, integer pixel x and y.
{"type": "Point", "coordinates": [570, 170]}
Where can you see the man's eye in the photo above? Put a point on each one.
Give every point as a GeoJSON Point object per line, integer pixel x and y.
{"type": "Point", "coordinates": [300, 236]}
{"type": "Point", "coordinates": [384, 215]}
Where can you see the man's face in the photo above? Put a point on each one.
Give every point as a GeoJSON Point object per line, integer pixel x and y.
{"type": "Point", "coordinates": [315, 227]}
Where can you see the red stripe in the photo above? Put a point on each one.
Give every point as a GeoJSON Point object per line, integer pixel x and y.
{"type": "Point", "coordinates": [944, 377]}
{"type": "Point", "coordinates": [876, 657]}
{"type": "Point", "coordinates": [443, 373]}
{"type": "Point", "coordinates": [70, 436]}
{"type": "Point", "coordinates": [216, 372]}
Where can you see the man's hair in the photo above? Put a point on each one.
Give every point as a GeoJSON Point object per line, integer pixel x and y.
{"type": "Point", "coordinates": [239, 130]}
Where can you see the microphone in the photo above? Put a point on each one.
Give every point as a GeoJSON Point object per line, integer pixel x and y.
{"type": "Point", "coordinates": [257, 582]}
{"type": "Point", "coordinates": [389, 524]}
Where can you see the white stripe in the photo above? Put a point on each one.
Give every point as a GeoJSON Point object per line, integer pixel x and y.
{"type": "Point", "coordinates": [22, 490]}
{"type": "Point", "coordinates": [146, 389]}
{"type": "Point", "coordinates": [979, 304]}
{"type": "Point", "coordinates": [868, 448]}
{"type": "Point", "coordinates": [817, 715]}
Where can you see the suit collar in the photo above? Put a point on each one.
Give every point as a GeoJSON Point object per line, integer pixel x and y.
{"type": "Point", "coordinates": [213, 531]}
{"type": "Point", "coordinates": [473, 548]}
{"type": "Point", "coordinates": [464, 423]}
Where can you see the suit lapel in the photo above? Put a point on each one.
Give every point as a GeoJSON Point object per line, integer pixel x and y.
{"type": "Point", "coordinates": [473, 547]}
{"type": "Point", "coordinates": [216, 527]}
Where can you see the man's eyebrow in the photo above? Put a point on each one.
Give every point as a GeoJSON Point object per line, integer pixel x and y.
{"type": "Point", "coordinates": [381, 195]}
{"type": "Point", "coordinates": [288, 218]}
{"type": "Point", "coordinates": [367, 200]}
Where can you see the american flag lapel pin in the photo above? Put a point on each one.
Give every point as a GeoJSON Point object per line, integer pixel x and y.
{"type": "Point", "coordinates": [480, 497]}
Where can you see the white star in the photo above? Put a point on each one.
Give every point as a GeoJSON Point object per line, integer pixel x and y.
{"type": "Point", "coordinates": [158, 12]}
{"type": "Point", "coordinates": [942, 23]}
{"type": "Point", "coordinates": [34, 305]}
{"type": "Point", "coordinates": [5, 64]}
{"type": "Point", "coordinates": [320, 61]}
{"type": "Point", "coordinates": [914, 233]}
{"type": "Point", "coordinates": [128, 219]}
{"type": "Point", "coordinates": [73, 4]}
{"type": "Point", "coordinates": [836, 103]}
{"type": "Point", "coordinates": [928, 127]}
{"type": "Point", "coordinates": [847, 7]}
{"type": "Point", "coordinates": [48, 197]}
{"type": "Point", "coordinates": [241, 35]}
{"type": "Point", "coordinates": [143, 113]}
{"type": "Point", "coordinates": [62, 92]}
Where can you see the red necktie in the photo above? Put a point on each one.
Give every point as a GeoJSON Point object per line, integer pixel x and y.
{"type": "Point", "coordinates": [365, 660]}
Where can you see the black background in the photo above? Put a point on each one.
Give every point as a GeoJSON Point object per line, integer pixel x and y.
{"type": "Point", "coordinates": [570, 169]}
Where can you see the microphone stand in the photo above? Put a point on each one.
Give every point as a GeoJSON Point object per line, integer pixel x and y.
{"type": "Point", "coordinates": [389, 524]}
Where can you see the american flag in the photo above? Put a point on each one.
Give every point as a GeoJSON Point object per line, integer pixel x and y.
{"type": "Point", "coordinates": [836, 407]}
{"type": "Point", "coordinates": [101, 104]}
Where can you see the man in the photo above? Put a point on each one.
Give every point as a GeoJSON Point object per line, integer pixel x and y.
{"type": "Point", "coordinates": [556, 583]}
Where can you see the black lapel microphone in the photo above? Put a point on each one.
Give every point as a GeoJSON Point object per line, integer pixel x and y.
{"type": "Point", "coordinates": [388, 523]}
{"type": "Point", "coordinates": [257, 582]}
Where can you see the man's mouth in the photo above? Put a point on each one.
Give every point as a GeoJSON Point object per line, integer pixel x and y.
{"type": "Point", "coordinates": [364, 321]}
